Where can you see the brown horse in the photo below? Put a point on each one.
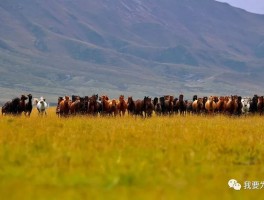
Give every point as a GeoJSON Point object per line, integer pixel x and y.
{"type": "Point", "coordinates": [221, 104]}
{"type": "Point", "coordinates": [231, 105]}
{"type": "Point", "coordinates": [197, 106]}
{"type": "Point", "coordinates": [105, 105]}
{"type": "Point", "coordinates": [75, 105]}
{"type": "Point", "coordinates": [122, 105]}
{"type": "Point", "coordinates": [139, 107]}
{"type": "Point", "coordinates": [64, 106]}
{"type": "Point", "coordinates": [113, 111]}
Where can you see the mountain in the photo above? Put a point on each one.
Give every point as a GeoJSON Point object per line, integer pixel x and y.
{"type": "Point", "coordinates": [131, 47]}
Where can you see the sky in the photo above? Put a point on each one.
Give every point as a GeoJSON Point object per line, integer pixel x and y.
{"type": "Point", "coordinates": [255, 6]}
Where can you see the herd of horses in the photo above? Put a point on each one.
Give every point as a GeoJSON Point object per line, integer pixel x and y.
{"type": "Point", "coordinates": [161, 106]}
{"type": "Point", "coordinates": [24, 104]}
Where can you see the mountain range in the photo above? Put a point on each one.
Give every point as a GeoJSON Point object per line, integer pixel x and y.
{"type": "Point", "coordinates": [132, 47]}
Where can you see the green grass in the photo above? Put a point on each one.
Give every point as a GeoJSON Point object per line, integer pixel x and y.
{"type": "Point", "coordinates": [127, 158]}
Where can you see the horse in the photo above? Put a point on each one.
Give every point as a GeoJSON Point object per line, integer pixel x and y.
{"type": "Point", "coordinates": [169, 104]}
{"type": "Point", "coordinates": [22, 104]}
{"type": "Point", "coordinates": [157, 106]}
{"type": "Point", "coordinates": [139, 107]}
{"type": "Point", "coordinates": [181, 105]}
{"type": "Point", "coordinates": [113, 111]}
{"type": "Point", "coordinates": [11, 107]}
{"type": "Point", "coordinates": [75, 106]}
{"type": "Point", "coordinates": [210, 105]}
{"type": "Point", "coordinates": [105, 105]}
{"type": "Point", "coordinates": [189, 106]}
{"type": "Point", "coordinates": [197, 106]}
{"type": "Point", "coordinates": [28, 107]}
{"type": "Point", "coordinates": [254, 104]}
{"type": "Point", "coordinates": [260, 105]}
{"type": "Point", "coordinates": [64, 106]}
{"type": "Point", "coordinates": [221, 105]}
{"type": "Point", "coordinates": [60, 99]}
{"type": "Point", "coordinates": [148, 107]}
{"type": "Point", "coordinates": [245, 105]}
{"type": "Point", "coordinates": [41, 106]}
{"type": "Point", "coordinates": [231, 105]}
{"type": "Point", "coordinates": [93, 106]}
{"type": "Point", "coordinates": [239, 105]}
{"type": "Point", "coordinates": [131, 106]}
{"type": "Point", "coordinates": [121, 105]}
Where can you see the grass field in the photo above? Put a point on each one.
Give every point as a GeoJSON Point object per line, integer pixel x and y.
{"type": "Point", "coordinates": [126, 158]}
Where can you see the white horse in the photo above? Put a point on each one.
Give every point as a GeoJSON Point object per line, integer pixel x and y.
{"type": "Point", "coordinates": [41, 105]}
{"type": "Point", "coordinates": [245, 105]}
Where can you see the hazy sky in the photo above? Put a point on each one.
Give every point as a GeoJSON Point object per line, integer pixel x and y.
{"type": "Point", "coordinates": [255, 6]}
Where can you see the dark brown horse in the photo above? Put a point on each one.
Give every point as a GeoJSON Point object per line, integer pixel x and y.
{"type": "Point", "coordinates": [148, 107]}
{"type": "Point", "coordinates": [157, 106]}
{"type": "Point", "coordinates": [260, 105]}
{"type": "Point", "coordinates": [131, 106]}
{"type": "Point", "coordinates": [11, 107]}
{"type": "Point", "coordinates": [181, 105]}
{"type": "Point", "coordinates": [93, 105]}
{"type": "Point", "coordinates": [28, 108]}
{"type": "Point", "coordinates": [145, 106]}
{"type": "Point", "coordinates": [22, 104]}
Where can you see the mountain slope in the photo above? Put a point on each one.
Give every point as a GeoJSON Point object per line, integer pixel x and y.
{"type": "Point", "coordinates": [137, 47]}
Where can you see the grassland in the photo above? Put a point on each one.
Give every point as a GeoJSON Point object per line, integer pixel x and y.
{"type": "Point", "coordinates": [126, 158]}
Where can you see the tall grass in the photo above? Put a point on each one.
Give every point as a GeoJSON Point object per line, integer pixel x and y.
{"type": "Point", "coordinates": [126, 158]}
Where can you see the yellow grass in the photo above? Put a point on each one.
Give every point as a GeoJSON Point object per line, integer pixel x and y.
{"type": "Point", "coordinates": [126, 158]}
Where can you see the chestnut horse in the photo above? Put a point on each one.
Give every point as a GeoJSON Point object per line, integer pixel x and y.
{"type": "Point", "coordinates": [221, 105]}
{"type": "Point", "coordinates": [75, 106]}
{"type": "Point", "coordinates": [122, 105]}
{"type": "Point", "coordinates": [105, 105]}
{"type": "Point", "coordinates": [113, 111]}
{"type": "Point", "coordinates": [60, 99]}
{"type": "Point", "coordinates": [64, 106]}
{"type": "Point", "coordinates": [231, 106]}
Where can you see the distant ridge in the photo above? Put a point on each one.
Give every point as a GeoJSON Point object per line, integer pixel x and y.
{"type": "Point", "coordinates": [130, 47]}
